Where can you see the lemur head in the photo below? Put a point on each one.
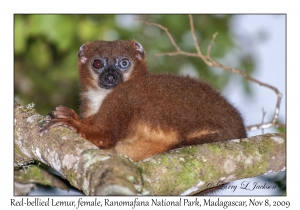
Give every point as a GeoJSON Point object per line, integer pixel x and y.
{"type": "Point", "coordinates": [105, 64]}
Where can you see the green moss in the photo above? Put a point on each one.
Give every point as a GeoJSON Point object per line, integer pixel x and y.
{"type": "Point", "coordinates": [256, 168]}
{"type": "Point", "coordinates": [188, 150]}
{"type": "Point", "coordinates": [17, 150]}
{"type": "Point", "coordinates": [215, 148]}
{"type": "Point", "coordinates": [187, 173]}
{"type": "Point", "coordinates": [266, 147]}
{"type": "Point", "coordinates": [164, 160]}
{"type": "Point", "coordinates": [28, 109]}
{"type": "Point", "coordinates": [31, 173]}
{"type": "Point", "coordinates": [259, 165]}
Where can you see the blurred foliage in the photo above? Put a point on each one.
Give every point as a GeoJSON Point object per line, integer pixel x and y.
{"type": "Point", "coordinates": [46, 49]}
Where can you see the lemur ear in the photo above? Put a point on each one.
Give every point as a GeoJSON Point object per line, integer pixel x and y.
{"type": "Point", "coordinates": [81, 55]}
{"type": "Point", "coordinates": [140, 50]}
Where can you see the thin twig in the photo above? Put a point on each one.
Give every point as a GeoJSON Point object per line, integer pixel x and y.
{"type": "Point", "coordinates": [211, 62]}
{"type": "Point", "coordinates": [262, 120]}
{"type": "Point", "coordinates": [177, 53]}
{"type": "Point", "coordinates": [194, 36]}
{"type": "Point", "coordinates": [165, 30]}
{"type": "Point", "coordinates": [178, 50]}
{"type": "Point", "coordinates": [246, 76]}
{"type": "Point", "coordinates": [212, 41]}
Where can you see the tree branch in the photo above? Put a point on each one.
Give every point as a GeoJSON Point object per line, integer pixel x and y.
{"type": "Point", "coordinates": [183, 171]}
{"type": "Point", "coordinates": [87, 168]}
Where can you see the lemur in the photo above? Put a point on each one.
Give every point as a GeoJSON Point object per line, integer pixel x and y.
{"type": "Point", "coordinates": [129, 111]}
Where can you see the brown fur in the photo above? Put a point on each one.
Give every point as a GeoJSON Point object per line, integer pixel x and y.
{"type": "Point", "coordinates": [146, 114]}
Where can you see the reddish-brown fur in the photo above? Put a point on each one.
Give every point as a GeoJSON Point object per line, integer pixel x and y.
{"type": "Point", "coordinates": [146, 114]}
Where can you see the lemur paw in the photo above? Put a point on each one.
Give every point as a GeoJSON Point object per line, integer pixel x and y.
{"type": "Point", "coordinates": [61, 116]}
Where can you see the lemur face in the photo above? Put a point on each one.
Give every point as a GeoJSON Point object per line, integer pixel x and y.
{"type": "Point", "coordinates": [109, 62]}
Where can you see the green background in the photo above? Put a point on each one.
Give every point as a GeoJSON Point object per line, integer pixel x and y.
{"type": "Point", "coordinates": [46, 49]}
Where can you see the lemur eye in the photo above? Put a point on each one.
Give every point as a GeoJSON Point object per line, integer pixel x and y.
{"type": "Point", "coordinates": [98, 64]}
{"type": "Point", "coordinates": [124, 63]}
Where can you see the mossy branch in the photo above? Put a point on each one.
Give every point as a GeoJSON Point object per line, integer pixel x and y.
{"type": "Point", "coordinates": [192, 169]}
{"type": "Point", "coordinates": [87, 168]}
{"type": "Point", "coordinates": [183, 171]}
